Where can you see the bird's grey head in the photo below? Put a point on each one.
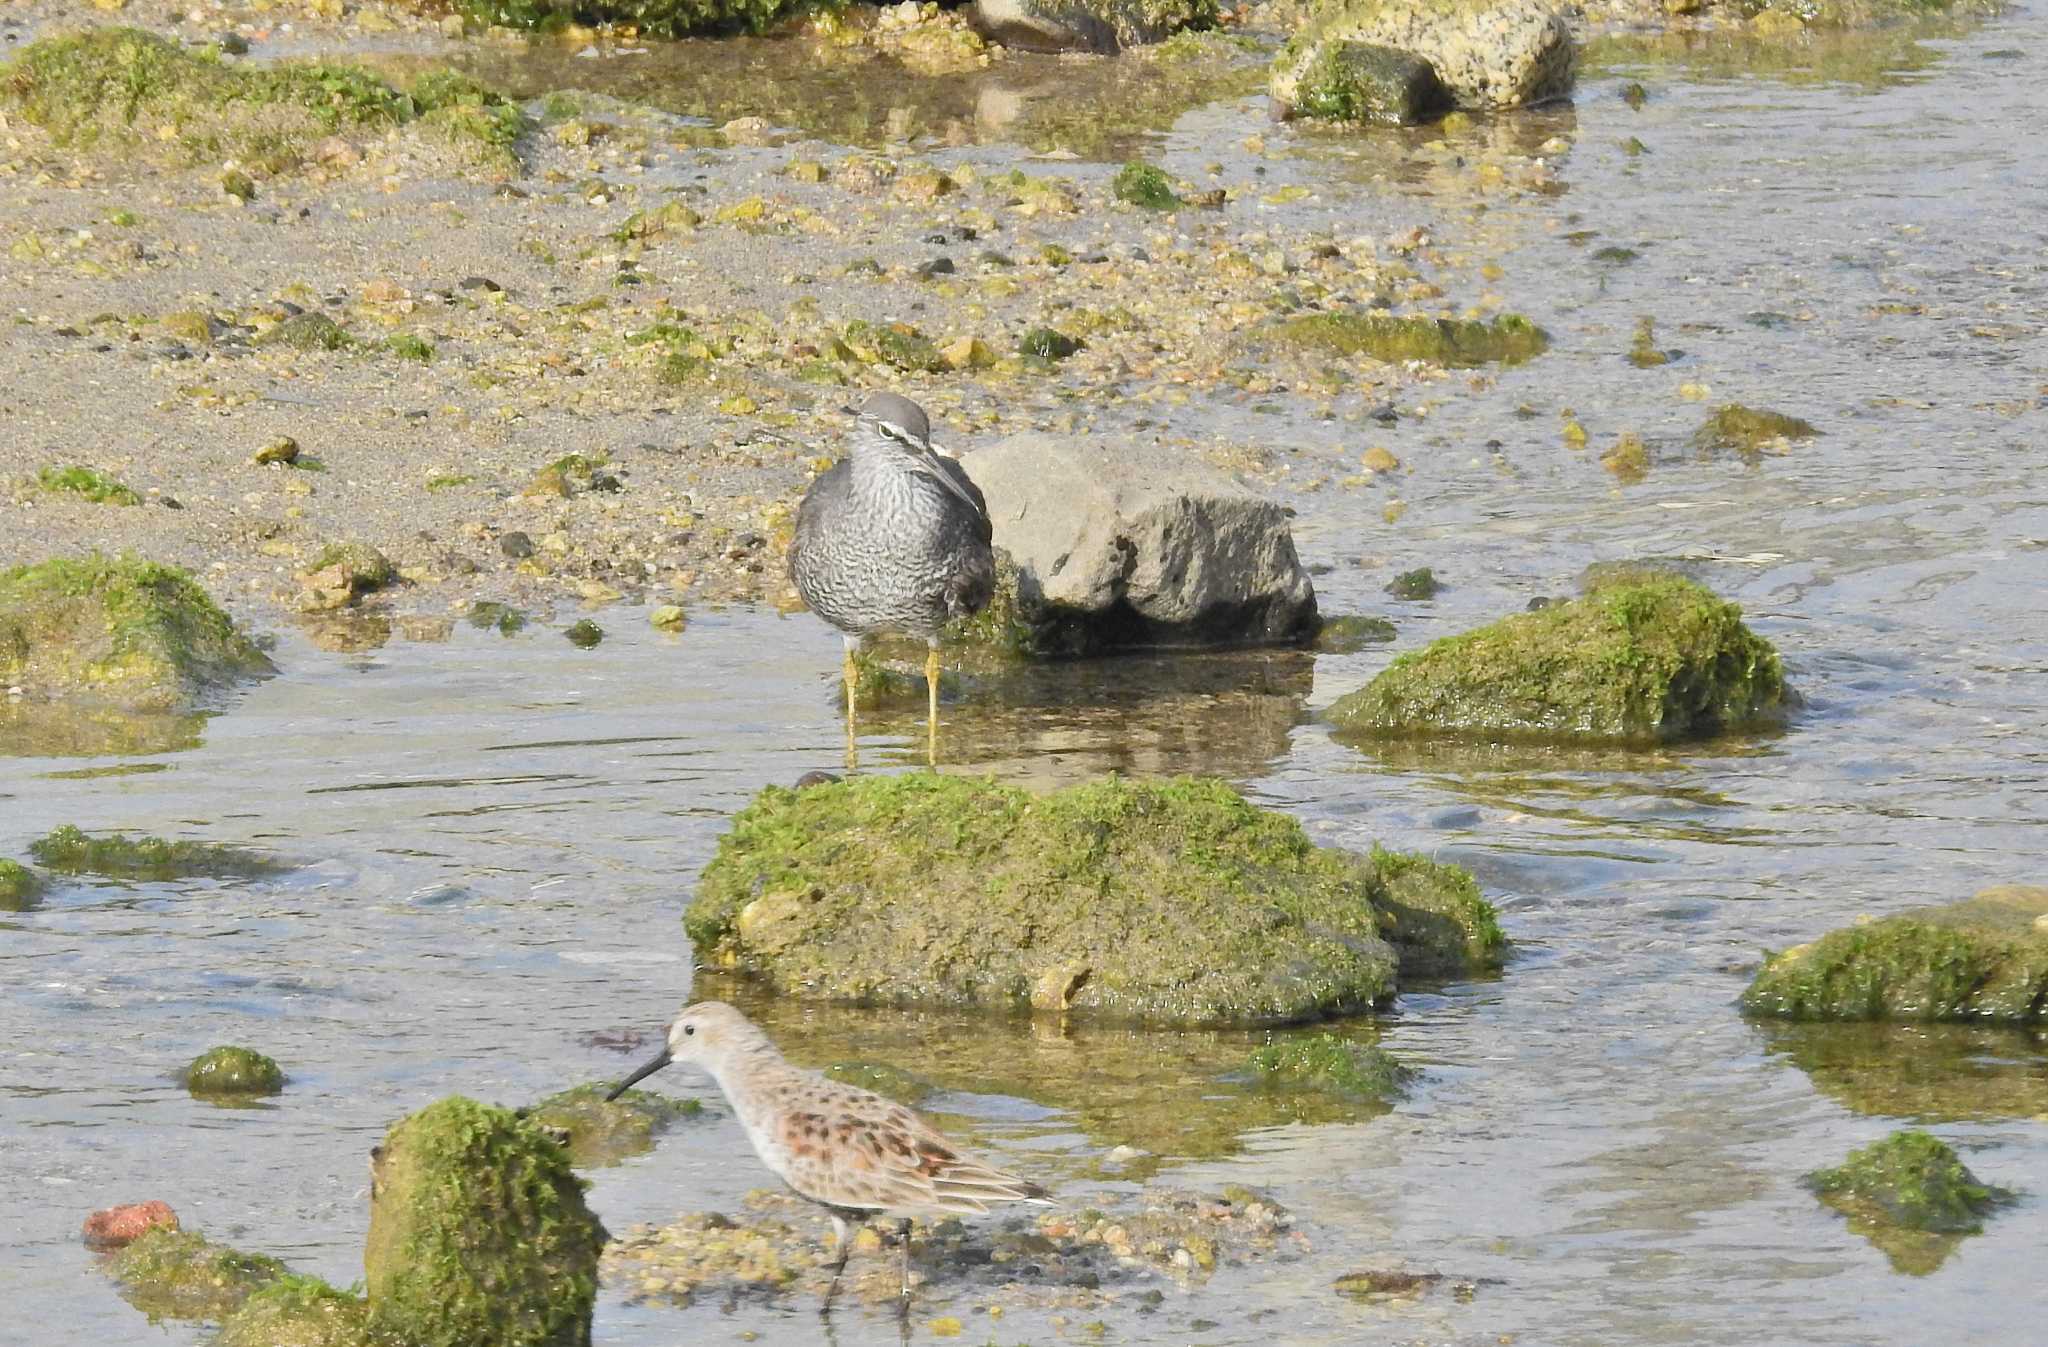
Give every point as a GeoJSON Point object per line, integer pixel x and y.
{"type": "Point", "coordinates": [896, 418]}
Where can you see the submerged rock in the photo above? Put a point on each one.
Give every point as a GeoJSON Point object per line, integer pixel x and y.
{"type": "Point", "coordinates": [296, 1311]}
{"type": "Point", "coordinates": [1909, 1195]}
{"type": "Point", "coordinates": [479, 1233]}
{"type": "Point", "coordinates": [1167, 903]}
{"type": "Point", "coordinates": [119, 633]}
{"type": "Point", "coordinates": [1332, 1065]}
{"type": "Point", "coordinates": [70, 851]}
{"type": "Point", "coordinates": [604, 1132]}
{"type": "Point", "coordinates": [180, 1274]}
{"type": "Point", "coordinates": [1089, 25]}
{"type": "Point", "coordinates": [1110, 551]}
{"type": "Point", "coordinates": [233, 1071]}
{"type": "Point", "coordinates": [1931, 1072]}
{"type": "Point", "coordinates": [1367, 82]}
{"type": "Point", "coordinates": [1486, 53]}
{"type": "Point", "coordinates": [1651, 657]}
{"type": "Point", "coordinates": [20, 886]}
{"type": "Point", "coordinates": [1984, 959]}
{"type": "Point", "coordinates": [1749, 429]}
{"type": "Point", "coordinates": [1351, 633]}
{"type": "Point", "coordinates": [1459, 343]}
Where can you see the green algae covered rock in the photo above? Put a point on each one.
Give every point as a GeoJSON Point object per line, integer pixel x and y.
{"type": "Point", "coordinates": [1647, 657]}
{"type": "Point", "coordinates": [1985, 960]}
{"type": "Point", "coordinates": [1144, 186]}
{"type": "Point", "coordinates": [120, 632]}
{"type": "Point", "coordinates": [68, 850]}
{"type": "Point", "coordinates": [1173, 902]}
{"type": "Point", "coordinates": [662, 18]}
{"type": "Point", "coordinates": [1486, 53]}
{"type": "Point", "coordinates": [1363, 82]}
{"type": "Point", "coordinates": [233, 1071]}
{"type": "Point", "coordinates": [1909, 1195]}
{"type": "Point", "coordinates": [296, 1311]}
{"type": "Point", "coordinates": [1748, 429]}
{"type": "Point", "coordinates": [180, 1274]}
{"type": "Point", "coordinates": [1458, 343]}
{"type": "Point", "coordinates": [479, 1233]}
{"type": "Point", "coordinates": [1331, 1064]}
{"type": "Point", "coordinates": [604, 1132]}
{"type": "Point", "coordinates": [19, 886]}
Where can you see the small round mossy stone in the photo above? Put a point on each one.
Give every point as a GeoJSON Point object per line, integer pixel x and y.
{"type": "Point", "coordinates": [233, 1071]}
{"type": "Point", "coordinates": [19, 886]}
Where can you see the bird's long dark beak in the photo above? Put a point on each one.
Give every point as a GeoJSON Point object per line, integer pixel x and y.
{"type": "Point", "coordinates": [646, 1069]}
{"type": "Point", "coordinates": [936, 466]}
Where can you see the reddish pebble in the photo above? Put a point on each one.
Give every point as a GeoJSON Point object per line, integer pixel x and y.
{"type": "Point", "coordinates": [116, 1226]}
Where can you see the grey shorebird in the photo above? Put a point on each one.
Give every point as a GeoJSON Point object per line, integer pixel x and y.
{"type": "Point", "coordinates": [893, 538]}
{"type": "Point", "coordinates": [851, 1151]}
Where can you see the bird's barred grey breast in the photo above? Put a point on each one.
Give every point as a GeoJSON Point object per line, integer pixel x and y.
{"type": "Point", "coordinates": [902, 571]}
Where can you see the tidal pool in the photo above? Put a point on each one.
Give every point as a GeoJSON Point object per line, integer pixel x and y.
{"type": "Point", "coordinates": [493, 838]}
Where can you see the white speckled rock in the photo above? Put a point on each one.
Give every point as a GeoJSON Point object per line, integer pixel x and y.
{"type": "Point", "coordinates": [1487, 53]}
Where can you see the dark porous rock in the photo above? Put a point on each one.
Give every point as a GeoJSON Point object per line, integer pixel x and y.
{"type": "Point", "coordinates": [1111, 550]}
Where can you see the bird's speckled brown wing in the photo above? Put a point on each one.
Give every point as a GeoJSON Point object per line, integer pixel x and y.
{"type": "Point", "coordinates": [850, 1148]}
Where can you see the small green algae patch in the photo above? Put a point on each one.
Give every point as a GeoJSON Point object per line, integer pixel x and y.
{"type": "Point", "coordinates": [69, 851]}
{"type": "Point", "coordinates": [296, 1311]}
{"type": "Point", "coordinates": [20, 886]}
{"type": "Point", "coordinates": [180, 1274]}
{"type": "Point", "coordinates": [1364, 82]}
{"type": "Point", "coordinates": [1172, 902]}
{"type": "Point", "coordinates": [489, 615]}
{"type": "Point", "coordinates": [308, 332]}
{"type": "Point", "coordinates": [1460, 343]}
{"type": "Point", "coordinates": [120, 89]}
{"type": "Point", "coordinates": [661, 18]}
{"type": "Point", "coordinates": [1902, 1190]}
{"type": "Point", "coordinates": [123, 632]}
{"type": "Point", "coordinates": [896, 345]}
{"type": "Point", "coordinates": [603, 1132]}
{"type": "Point", "coordinates": [233, 1071]}
{"type": "Point", "coordinates": [1420, 583]}
{"type": "Point", "coordinates": [409, 346]}
{"type": "Point", "coordinates": [1749, 430]}
{"type": "Point", "coordinates": [1050, 344]}
{"type": "Point", "coordinates": [1331, 1064]}
{"type": "Point", "coordinates": [89, 483]}
{"type": "Point", "coordinates": [1649, 658]}
{"type": "Point", "coordinates": [479, 1233]}
{"type": "Point", "coordinates": [584, 634]}
{"type": "Point", "coordinates": [1144, 186]}
{"type": "Point", "coordinates": [1984, 960]}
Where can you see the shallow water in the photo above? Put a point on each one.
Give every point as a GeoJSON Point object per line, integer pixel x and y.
{"type": "Point", "coordinates": [496, 837]}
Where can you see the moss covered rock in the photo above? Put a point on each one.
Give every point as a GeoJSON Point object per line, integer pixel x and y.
{"type": "Point", "coordinates": [479, 1233]}
{"type": "Point", "coordinates": [1486, 53]}
{"type": "Point", "coordinates": [1748, 430]}
{"type": "Point", "coordinates": [1911, 1196]}
{"type": "Point", "coordinates": [180, 1274]}
{"type": "Point", "coordinates": [233, 1071]}
{"type": "Point", "coordinates": [1650, 657]}
{"type": "Point", "coordinates": [296, 1311]}
{"type": "Point", "coordinates": [1331, 1064]}
{"type": "Point", "coordinates": [1985, 959]}
{"type": "Point", "coordinates": [1171, 903]}
{"type": "Point", "coordinates": [119, 632]}
{"type": "Point", "coordinates": [663, 18]}
{"type": "Point", "coordinates": [1145, 186]}
{"type": "Point", "coordinates": [68, 850]}
{"type": "Point", "coordinates": [1364, 82]}
{"type": "Point", "coordinates": [128, 91]}
{"type": "Point", "coordinates": [20, 886]}
{"type": "Point", "coordinates": [1459, 343]}
{"type": "Point", "coordinates": [604, 1132]}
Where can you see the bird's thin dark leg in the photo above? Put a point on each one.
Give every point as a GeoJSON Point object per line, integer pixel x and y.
{"type": "Point", "coordinates": [903, 1234]}
{"type": "Point", "coordinates": [844, 1237]}
{"type": "Point", "coordinates": [931, 683]}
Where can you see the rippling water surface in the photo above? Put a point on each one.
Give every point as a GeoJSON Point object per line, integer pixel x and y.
{"type": "Point", "coordinates": [494, 838]}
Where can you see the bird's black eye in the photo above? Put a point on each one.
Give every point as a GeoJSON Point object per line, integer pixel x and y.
{"type": "Point", "coordinates": [689, 1029]}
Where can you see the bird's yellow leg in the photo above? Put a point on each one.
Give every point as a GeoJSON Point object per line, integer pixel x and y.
{"type": "Point", "coordinates": [851, 675]}
{"type": "Point", "coordinates": [931, 683]}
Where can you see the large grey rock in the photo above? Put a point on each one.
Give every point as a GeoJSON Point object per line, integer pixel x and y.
{"type": "Point", "coordinates": [1114, 550]}
{"type": "Point", "coordinates": [1487, 53]}
{"type": "Point", "coordinates": [1089, 25]}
